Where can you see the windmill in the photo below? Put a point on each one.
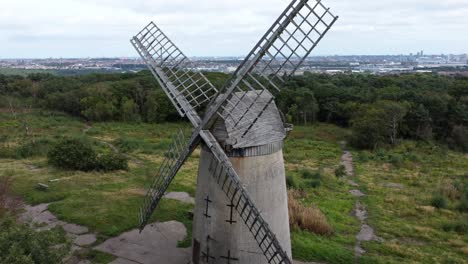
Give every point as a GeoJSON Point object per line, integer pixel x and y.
{"type": "Point", "coordinates": [241, 213]}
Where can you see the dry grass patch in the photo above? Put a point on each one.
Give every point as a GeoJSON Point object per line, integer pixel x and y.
{"type": "Point", "coordinates": [306, 218]}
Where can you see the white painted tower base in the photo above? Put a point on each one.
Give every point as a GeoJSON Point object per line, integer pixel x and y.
{"type": "Point", "coordinates": [219, 235]}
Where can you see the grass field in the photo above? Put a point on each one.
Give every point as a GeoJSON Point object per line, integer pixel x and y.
{"type": "Point", "coordinates": [107, 203]}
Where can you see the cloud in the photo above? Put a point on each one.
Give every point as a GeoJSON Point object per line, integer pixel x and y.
{"type": "Point", "coordinates": [66, 28]}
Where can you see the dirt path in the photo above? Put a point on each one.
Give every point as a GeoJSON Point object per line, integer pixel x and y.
{"type": "Point", "coordinates": [366, 232]}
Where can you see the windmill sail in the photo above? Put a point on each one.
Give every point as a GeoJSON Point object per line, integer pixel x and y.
{"type": "Point", "coordinates": [279, 54]}
{"type": "Point", "coordinates": [179, 151]}
{"type": "Point", "coordinates": [187, 88]}
{"type": "Point", "coordinates": [281, 51]}
{"type": "Point", "coordinates": [226, 177]}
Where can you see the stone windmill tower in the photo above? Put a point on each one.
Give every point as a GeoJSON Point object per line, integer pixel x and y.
{"type": "Point", "coordinates": [241, 213]}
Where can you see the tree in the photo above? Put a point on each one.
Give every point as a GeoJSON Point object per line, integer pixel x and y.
{"type": "Point", "coordinates": [369, 127]}
{"type": "Point", "coordinates": [418, 123]}
{"type": "Point", "coordinates": [157, 107]}
{"type": "Point", "coordinates": [308, 105]}
{"type": "Point", "coordinates": [394, 115]}
{"type": "Point", "coordinates": [129, 110]}
{"type": "Point", "coordinates": [100, 104]}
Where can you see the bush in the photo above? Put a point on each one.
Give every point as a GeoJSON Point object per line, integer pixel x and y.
{"type": "Point", "coordinates": [291, 182]}
{"type": "Point", "coordinates": [396, 159]}
{"type": "Point", "coordinates": [460, 226]}
{"type": "Point", "coordinates": [73, 154]}
{"type": "Point", "coordinates": [463, 206]}
{"type": "Point", "coordinates": [33, 148]}
{"type": "Point", "coordinates": [439, 201]}
{"type": "Point", "coordinates": [340, 172]}
{"type": "Point", "coordinates": [112, 162]}
{"type": "Point", "coordinates": [21, 244]}
{"type": "Point", "coordinates": [313, 183]}
{"type": "Point", "coordinates": [307, 174]}
{"type": "Point", "coordinates": [460, 138]}
{"type": "Point", "coordinates": [307, 218]}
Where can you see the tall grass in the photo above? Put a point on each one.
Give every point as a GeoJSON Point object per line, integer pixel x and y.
{"type": "Point", "coordinates": [306, 218]}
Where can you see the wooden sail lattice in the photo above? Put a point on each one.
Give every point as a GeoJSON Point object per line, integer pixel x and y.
{"type": "Point", "coordinates": [278, 54]}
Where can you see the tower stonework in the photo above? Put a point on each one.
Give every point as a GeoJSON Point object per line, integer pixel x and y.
{"type": "Point", "coordinates": [219, 234]}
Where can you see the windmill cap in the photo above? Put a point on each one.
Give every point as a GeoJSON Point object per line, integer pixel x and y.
{"type": "Point", "coordinates": [268, 129]}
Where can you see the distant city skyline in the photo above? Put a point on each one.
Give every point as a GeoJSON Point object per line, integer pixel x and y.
{"type": "Point", "coordinates": [210, 28]}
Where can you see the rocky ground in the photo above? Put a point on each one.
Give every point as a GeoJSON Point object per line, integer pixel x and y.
{"type": "Point", "coordinates": [360, 211]}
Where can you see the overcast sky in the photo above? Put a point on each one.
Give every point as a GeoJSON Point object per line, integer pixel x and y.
{"type": "Point", "coordinates": [95, 28]}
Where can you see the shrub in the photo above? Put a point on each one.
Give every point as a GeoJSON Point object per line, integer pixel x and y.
{"type": "Point", "coordinates": [396, 160]}
{"type": "Point", "coordinates": [439, 201]}
{"type": "Point", "coordinates": [340, 172]}
{"type": "Point", "coordinates": [460, 138]}
{"type": "Point", "coordinates": [313, 183]}
{"type": "Point", "coordinates": [460, 226]}
{"type": "Point", "coordinates": [291, 182]}
{"type": "Point", "coordinates": [128, 144]}
{"type": "Point", "coordinates": [21, 244]}
{"type": "Point", "coordinates": [307, 218]}
{"type": "Point", "coordinates": [33, 148]}
{"type": "Point", "coordinates": [363, 156]}
{"type": "Point", "coordinates": [307, 174]}
{"type": "Point", "coordinates": [111, 162]}
{"type": "Point", "coordinates": [74, 154]}
{"type": "Point", "coordinates": [463, 206]}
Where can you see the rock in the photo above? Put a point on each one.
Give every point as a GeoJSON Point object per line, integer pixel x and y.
{"type": "Point", "coordinates": [84, 262]}
{"type": "Point", "coordinates": [359, 251]}
{"type": "Point", "coordinates": [42, 187]}
{"type": "Point", "coordinates": [180, 196]}
{"type": "Point", "coordinates": [75, 229]}
{"type": "Point", "coordinates": [85, 240]}
{"type": "Point", "coordinates": [357, 193]}
{"type": "Point", "coordinates": [367, 234]}
{"type": "Point", "coordinates": [360, 212]}
{"type": "Point", "coordinates": [352, 183]}
{"type": "Point", "coordinates": [156, 244]}
{"type": "Point", "coordinates": [347, 162]}
{"type": "Point", "coordinates": [123, 261]}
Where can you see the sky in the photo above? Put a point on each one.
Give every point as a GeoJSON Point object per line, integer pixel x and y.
{"type": "Point", "coordinates": [103, 28]}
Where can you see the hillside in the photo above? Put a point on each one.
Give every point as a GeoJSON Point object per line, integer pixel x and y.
{"type": "Point", "coordinates": [402, 186]}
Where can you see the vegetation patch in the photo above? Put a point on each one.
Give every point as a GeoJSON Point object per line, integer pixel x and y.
{"type": "Point", "coordinates": [306, 217]}
{"type": "Point", "coordinates": [79, 154]}
{"type": "Point", "coordinates": [21, 244]}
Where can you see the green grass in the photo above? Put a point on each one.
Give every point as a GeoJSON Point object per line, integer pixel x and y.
{"type": "Point", "coordinates": [107, 203]}
{"type": "Point", "coordinates": [413, 230]}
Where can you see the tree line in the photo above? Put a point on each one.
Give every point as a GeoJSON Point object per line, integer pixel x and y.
{"type": "Point", "coordinates": [380, 110]}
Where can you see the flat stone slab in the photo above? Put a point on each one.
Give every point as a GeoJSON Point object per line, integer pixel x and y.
{"type": "Point", "coordinates": [85, 240]}
{"type": "Point", "coordinates": [347, 162]}
{"type": "Point", "coordinates": [75, 229]}
{"type": "Point", "coordinates": [123, 261]}
{"type": "Point", "coordinates": [352, 183]}
{"type": "Point", "coordinates": [156, 244]}
{"type": "Point", "coordinates": [180, 196]}
{"type": "Point", "coordinates": [360, 212]}
{"type": "Point", "coordinates": [357, 193]}
{"type": "Point", "coordinates": [367, 234]}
